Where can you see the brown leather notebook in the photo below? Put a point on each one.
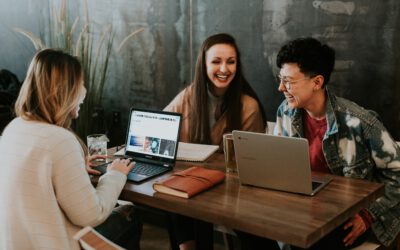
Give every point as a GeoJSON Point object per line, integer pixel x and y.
{"type": "Point", "coordinates": [189, 182]}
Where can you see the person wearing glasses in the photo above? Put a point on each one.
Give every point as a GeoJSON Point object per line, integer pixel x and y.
{"type": "Point", "coordinates": [344, 139]}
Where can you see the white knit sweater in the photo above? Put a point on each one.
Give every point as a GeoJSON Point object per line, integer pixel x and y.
{"type": "Point", "coordinates": [45, 192]}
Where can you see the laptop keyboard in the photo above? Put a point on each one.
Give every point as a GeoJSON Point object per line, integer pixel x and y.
{"type": "Point", "coordinates": [147, 169]}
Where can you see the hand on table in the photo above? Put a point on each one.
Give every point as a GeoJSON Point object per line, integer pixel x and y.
{"type": "Point", "coordinates": [122, 165]}
{"type": "Point", "coordinates": [90, 165]}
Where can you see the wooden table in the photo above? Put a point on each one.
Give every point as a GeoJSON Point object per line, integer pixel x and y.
{"type": "Point", "coordinates": [291, 218]}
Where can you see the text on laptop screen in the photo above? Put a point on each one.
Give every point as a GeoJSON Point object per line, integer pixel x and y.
{"type": "Point", "coordinates": [153, 134]}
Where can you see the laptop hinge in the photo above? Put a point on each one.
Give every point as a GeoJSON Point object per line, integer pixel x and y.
{"type": "Point", "coordinates": [144, 160]}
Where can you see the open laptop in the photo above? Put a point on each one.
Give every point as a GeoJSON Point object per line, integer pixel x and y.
{"type": "Point", "coordinates": [275, 162]}
{"type": "Point", "coordinates": [152, 142]}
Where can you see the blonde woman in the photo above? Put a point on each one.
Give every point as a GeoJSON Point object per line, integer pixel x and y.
{"type": "Point", "coordinates": [46, 194]}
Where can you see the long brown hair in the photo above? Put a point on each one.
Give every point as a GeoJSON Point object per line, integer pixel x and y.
{"type": "Point", "coordinates": [231, 103]}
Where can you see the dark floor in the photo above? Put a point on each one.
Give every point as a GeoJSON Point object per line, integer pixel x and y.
{"type": "Point", "coordinates": [155, 235]}
{"type": "Point", "coordinates": [156, 238]}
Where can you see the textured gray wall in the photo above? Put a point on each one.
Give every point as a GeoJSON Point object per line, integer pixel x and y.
{"type": "Point", "coordinates": [244, 20]}
{"type": "Point", "coordinates": [364, 35]}
{"type": "Point", "coordinates": [15, 50]}
{"type": "Point", "coordinates": [158, 62]}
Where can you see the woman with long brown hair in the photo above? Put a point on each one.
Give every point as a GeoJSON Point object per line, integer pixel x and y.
{"type": "Point", "coordinates": [46, 193]}
{"type": "Point", "coordinates": [218, 101]}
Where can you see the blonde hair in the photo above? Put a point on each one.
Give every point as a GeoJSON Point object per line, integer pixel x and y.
{"type": "Point", "coordinates": [50, 92]}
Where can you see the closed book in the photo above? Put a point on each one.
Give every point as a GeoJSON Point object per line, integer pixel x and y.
{"type": "Point", "coordinates": [189, 182]}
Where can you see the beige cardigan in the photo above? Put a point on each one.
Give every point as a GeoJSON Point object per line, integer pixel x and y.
{"type": "Point", "coordinates": [45, 192]}
{"type": "Point", "coordinates": [251, 116]}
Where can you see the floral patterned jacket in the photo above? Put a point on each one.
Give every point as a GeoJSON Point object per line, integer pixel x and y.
{"type": "Point", "coordinates": [356, 145]}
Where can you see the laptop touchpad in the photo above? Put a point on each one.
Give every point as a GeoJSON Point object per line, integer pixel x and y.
{"type": "Point", "coordinates": [136, 177]}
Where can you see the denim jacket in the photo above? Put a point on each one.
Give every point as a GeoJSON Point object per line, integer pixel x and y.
{"type": "Point", "coordinates": [356, 145]}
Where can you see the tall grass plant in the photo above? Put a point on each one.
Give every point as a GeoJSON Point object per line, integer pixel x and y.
{"type": "Point", "coordinates": [77, 38]}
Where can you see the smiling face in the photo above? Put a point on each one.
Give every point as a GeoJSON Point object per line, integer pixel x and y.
{"type": "Point", "coordinates": [302, 90]}
{"type": "Point", "coordinates": [221, 63]}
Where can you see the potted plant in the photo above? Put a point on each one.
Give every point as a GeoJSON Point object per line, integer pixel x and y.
{"type": "Point", "coordinates": [77, 39]}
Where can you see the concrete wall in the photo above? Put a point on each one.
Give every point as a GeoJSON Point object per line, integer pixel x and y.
{"type": "Point", "coordinates": [15, 50]}
{"type": "Point", "coordinates": [158, 62]}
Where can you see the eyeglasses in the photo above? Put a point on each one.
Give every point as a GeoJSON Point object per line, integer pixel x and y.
{"type": "Point", "coordinates": [287, 83]}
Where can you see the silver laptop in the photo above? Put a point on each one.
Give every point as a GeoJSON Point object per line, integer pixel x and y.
{"type": "Point", "coordinates": [275, 162]}
{"type": "Point", "coordinates": [152, 142]}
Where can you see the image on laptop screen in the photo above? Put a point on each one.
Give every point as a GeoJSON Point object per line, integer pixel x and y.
{"type": "Point", "coordinates": [153, 134]}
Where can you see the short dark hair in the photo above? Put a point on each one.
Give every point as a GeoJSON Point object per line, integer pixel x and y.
{"type": "Point", "coordinates": [312, 57]}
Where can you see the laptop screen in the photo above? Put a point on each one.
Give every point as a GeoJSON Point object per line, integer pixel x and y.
{"type": "Point", "coordinates": [153, 134]}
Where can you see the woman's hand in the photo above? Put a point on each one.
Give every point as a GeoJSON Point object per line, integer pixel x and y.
{"type": "Point", "coordinates": [122, 165]}
{"type": "Point", "coordinates": [90, 165]}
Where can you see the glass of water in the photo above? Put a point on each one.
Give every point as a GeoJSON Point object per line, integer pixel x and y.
{"type": "Point", "coordinates": [229, 152]}
{"type": "Point", "coordinates": [97, 144]}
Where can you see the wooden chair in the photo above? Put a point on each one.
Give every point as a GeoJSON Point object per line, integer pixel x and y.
{"type": "Point", "coordinates": [90, 239]}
